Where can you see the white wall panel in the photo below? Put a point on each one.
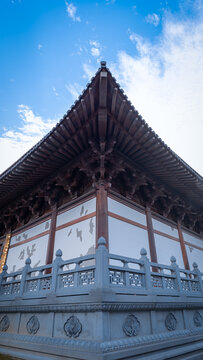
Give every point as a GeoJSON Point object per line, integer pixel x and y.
{"type": "Point", "coordinates": [35, 230]}
{"type": "Point", "coordinates": [35, 249]}
{"type": "Point", "coordinates": [168, 229]}
{"type": "Point", "coordinates": [195, 255]}
{"type": "Point", "coordinates": [76, 212]}
{"type": "Point", "coordinates": [166, 248]}
{"type": "Point", "coordinates": [126, 239]}
{"type": "Point", "coordinates": [126, 211]}
{"type": "Point", "coordinates": [193, 240]}
{"type": "Point", "coordinates": [76, 240]}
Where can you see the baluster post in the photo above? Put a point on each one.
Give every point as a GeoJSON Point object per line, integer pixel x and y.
{"type": "Point", "coordinates": [126, 268]}
{"type": "Point", "coordinates": [146, 266]}
{"type": "Point", "coordinates": [55, 267]}
{"type": "Point", "coordinates": [2, 275]}
{"type": "Point", "coordinates": [76, 275]}
{"type": "Point", "coordinates": [24, 276]}
{"type": "Point", "coordinates": [177, 275]}
{"type": "Point", "coordinates": [102, 264]}
{"type": "Point", "coordinates": [198, 274]}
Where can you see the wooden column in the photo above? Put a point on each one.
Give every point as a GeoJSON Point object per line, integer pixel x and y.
{"type": "Point", "coordinates": [101, 214]}
{"type": "Point", "coordinates": [183, 248]}
{"type": "Point", "coordinates": [5, 251]}
{"type": "Point", "coordinates": [152, 246]}
{"type": "Point", "coordinates": [50, 248]}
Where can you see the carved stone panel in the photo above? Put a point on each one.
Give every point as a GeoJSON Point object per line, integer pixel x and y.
{"type": "Point", "coordinates": [198, 319]}
{"type": "Point", "coordinates": [170, 322]}
{"type": "Point", "coordinates": [4, 323]}
{"type": "Point", "coordinates": [73, 327]}
{"type": "Point", "coordinates": [33, 325]}
{"type": "Point", "coordinates": [131, 325]}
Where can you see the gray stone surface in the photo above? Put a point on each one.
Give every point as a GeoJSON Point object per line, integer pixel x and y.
{"type": "Point", "coordinates": [103, 311]}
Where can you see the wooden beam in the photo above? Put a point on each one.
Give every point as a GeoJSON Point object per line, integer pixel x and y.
{"type": "Point", "coordinates": [50, 248]}
{"type": "Point", "coordinates": [101, 214]}
{"type": "Point", "coordinates": [183, 248]}
{"type": "Point", "coordinates": [152, 245]}
{"type": "Point", "coordinates": [102, 112]}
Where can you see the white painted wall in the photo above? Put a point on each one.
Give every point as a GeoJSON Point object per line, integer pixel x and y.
{"type": "Point", "coordinates": [166, 248]}
{"type": "Point", "coordinates": [194, 240]}
{"type": "Point", "coordinates": [126, 211]}
{"type": "Point", "coordinates": [76, 240]}
{"type": "Point", "coordinates": [195, 255]}
{"type": "Point", "coordinates": [28, 233]}
{"type": "Point", "coordinates": [160, 226]}
{"type": "Point", "coordinates": [35, 249]}
{"type": "Point", "coordinates": [76, 212]}
{"type": "Point", "coordinates": [126, 239]}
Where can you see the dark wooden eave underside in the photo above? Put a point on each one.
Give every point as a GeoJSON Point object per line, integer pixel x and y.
{"type": "Point", "coordinates": [102, 112]}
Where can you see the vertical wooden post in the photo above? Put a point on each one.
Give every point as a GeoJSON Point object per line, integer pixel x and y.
{"type": "Point", "coordinates": [152, 246]}
{"type": "Point", "coordinates": [183, 248]}
{"type": "Point", "coordinates": [5, 251]}
{"type": "Point", "coordinates": [101, 214]}
{"type": "Point", "coordinates": [50, 248]}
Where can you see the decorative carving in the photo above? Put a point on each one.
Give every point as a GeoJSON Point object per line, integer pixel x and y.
{"type": "Point", "coordinates": [33, 325]}
{"type": "Point", "coordinates": [73, 327]}
{"type": "Point", "coordinates": [131, 325]}
{"type": "Point", "coordinates": [198, 319]}
{"type": "Point", "coordinates": [4, 323]}
{"type": "Point", "coordinates": [170, 322]}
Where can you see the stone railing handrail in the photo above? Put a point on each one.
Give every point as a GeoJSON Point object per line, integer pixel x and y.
{"type": "Point", "coordinates": [101, 270]}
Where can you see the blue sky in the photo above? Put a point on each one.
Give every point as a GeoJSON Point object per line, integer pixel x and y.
{"type": "Point", "coordinates": [51, 48]}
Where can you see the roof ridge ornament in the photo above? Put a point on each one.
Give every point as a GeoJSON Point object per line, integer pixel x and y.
{"type": "Point", "coordinates": [103, 64]}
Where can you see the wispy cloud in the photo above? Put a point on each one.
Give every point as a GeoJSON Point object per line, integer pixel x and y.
{"type": "Point", "coordinates": [143, 46]}
{"type": "Point", "coordinates": [71, 10]}
{"type": "Point", "coordinates": [74, 89]}
{"type": "Point", "coordinates": [95, 48]}
{"type": "Point", "coordinates": [89, 71]}
{"type": "Point", "coordinates": [15, 142]}
{"type": "Point", "coordinates": [164, 82]}
{"type": "Point", "coordinates": [39, 46]}
{"type": "Point", "coordinates": [55, 91]}
{"type": "Point", "coordinates": [153, 19]}
{"type": "Point", "coordinates": [110, 2]}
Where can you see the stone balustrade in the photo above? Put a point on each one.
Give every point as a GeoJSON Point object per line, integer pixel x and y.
{"type": "Point", "coordinates": [101, 270]}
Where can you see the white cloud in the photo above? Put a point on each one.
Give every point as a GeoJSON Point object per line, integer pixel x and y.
{"type": "Point", "coordinates": [152, 19]}
{"type": "Point", "coordinates": [164, 82]}
{"type": "Point", "coordinates": [96, 48]}
{"type": "Point", "coordinates": [14, 143]}
{"type": "Point", "coordinates": [142, 45]}
{"type": "Point", "coordinates": [89, 71]}
{"type": "Point", "coordinates": [55, 91]}
{"type": "Point", "coordinates": [95, 52]}
{"type": "Point", "coordinates": [75, 90]}
{"type": "Point", "coordinates": [71, 10]}
{"type": "Point", "coordinates": [39, 46]}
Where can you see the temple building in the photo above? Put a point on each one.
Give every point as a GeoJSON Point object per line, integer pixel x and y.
{"type": "Point", "coordinates": [101, 240]}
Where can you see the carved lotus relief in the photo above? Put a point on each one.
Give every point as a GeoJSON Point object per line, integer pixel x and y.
{"type": "Point", "coordinates": [131, 325]}
{"type": "Point", "coordinates": [198, 319]}
{"type": "Point", "coordinates": [4, 323]}
{"type": "Point", "coordinates": [170, 322]}
{"type": "Point", "coordinates": [33, 325]}
{"type": "Point", "coordinates": [73, 327]}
